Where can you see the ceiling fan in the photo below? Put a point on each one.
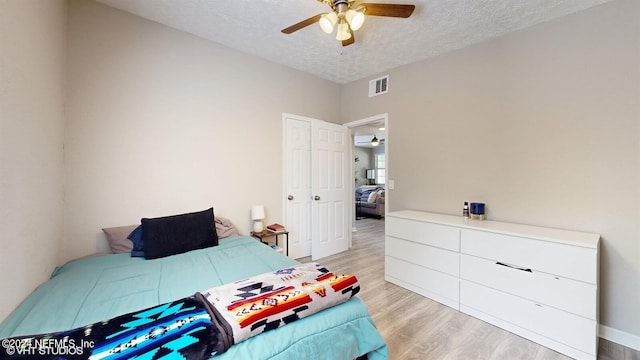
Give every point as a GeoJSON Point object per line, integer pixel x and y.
{"type": "Point", "coordinates": [374, 141]}
{"type": "Point", "coordinates": [349, 16]}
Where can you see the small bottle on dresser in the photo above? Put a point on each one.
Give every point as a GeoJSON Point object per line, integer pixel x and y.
{"type": "Point", "coordinates": [465, 209]}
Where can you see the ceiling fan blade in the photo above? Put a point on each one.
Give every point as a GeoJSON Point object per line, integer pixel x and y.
{"type": "Point", "coordinates": [350, 40]}
{"type": "Point", "coordinates": [392, 10]}
{"type": "Point", "coordinates": [302, 24]}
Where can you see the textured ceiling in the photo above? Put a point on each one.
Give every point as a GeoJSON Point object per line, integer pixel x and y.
{"type": "Point", "coordinates": [436, 27]}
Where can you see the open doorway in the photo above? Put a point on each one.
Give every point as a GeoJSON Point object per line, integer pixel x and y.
{"type": "Point", "coordinates": [369, 168]}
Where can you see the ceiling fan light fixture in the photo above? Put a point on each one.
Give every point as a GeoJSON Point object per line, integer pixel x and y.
{"type": "Point", "coordinates": [328, 21]}
{"type": "Point", "coordinates": [375, 141]}
{"type": "Point", "coordinates": [343, 31]}
{"type": "Point", "coordinates": [355, 19]}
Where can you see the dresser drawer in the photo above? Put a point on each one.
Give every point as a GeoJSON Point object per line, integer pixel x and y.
{"type": "Point", "coordinates": [574, 296]}
{"type": "Point", "coordinates": [574, 262]}
{"type": "Point", "coordinates": [424, 281]}
{"type": "Point", "coordinates": [442, 236]}
{"type": "Point", "coordinates": [572, 330]}
{"type": "Point", "coordinates": [424, 255]}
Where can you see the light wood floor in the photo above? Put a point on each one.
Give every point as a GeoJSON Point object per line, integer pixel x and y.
{"type": "Point", "coordinates": [419, 328]}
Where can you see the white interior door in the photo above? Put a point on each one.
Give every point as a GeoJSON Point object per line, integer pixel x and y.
{"type": "Point", "coordinates": [298, 186]}
{"type": "Point", "coordinates": [317, 187]}
{"type": "Point", "coordinates": [330, 208]}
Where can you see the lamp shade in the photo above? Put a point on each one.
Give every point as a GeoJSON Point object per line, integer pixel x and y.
{"type": "Point", "coordinates": [343, 31]}
{"type": "Point", "coordinates": [257, 212]}
{"type": "Point", "coordinates": [328, 21]}
{"type": "Point", "coordinates": [355, 19]}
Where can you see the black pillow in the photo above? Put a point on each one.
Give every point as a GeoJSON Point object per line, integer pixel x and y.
{"type": "Point", "coordinates": [177, 234]}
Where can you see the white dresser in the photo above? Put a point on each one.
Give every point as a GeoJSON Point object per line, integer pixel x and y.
{"type": "Point", "coordinates": [539, 283]}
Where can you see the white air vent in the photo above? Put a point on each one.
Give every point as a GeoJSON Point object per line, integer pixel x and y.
{"type": "Point", "coordinates": [379, 86]}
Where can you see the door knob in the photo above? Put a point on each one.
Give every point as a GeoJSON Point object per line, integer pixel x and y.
{"type": "Point", "coordinates": [290, 197]}
{"type": "Point", "coordinates": [316, 198]}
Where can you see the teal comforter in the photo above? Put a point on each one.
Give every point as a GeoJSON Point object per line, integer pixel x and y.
{"type": "Point", "coordinates": [89, 290]}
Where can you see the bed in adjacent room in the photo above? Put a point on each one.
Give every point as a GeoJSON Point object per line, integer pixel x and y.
{"type": "Point", "coordinates": [90, 290]}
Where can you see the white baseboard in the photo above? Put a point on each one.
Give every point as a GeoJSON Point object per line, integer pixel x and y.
{"type": "Point", "coordinates": [620, 337]}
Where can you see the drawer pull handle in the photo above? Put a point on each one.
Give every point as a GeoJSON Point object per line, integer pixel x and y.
{"type": "Point", "coordinates": [514, 267]}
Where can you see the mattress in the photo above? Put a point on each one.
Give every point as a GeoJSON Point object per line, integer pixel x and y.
{"type": "Point", "coordinates": [89, 290]}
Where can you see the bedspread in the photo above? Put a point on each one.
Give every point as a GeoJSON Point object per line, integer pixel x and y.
{"type": "Point", "coordinates": [199, 326]}
{"type": "Point", "coordinates": [89, 290]}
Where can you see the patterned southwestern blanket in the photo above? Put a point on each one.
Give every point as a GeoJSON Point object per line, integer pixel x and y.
{"type": "Point", "coordinates": [197, 327]}
{"type": "Point", "coordinates": [268, 301]}
{"type": "Point", "coordinates": [183, 329]}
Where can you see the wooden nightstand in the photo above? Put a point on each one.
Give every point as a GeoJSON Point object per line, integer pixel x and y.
{"type": "Point", "coordinates": [266, 233]}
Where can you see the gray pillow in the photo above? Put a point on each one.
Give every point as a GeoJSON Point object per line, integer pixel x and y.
{"type": "Point", "coordinates": [117, 237]}
{"type": "Point", "coordinates": [225, 228]}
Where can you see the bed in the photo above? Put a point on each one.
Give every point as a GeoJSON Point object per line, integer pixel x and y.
{"type": "Point", "coordinates": [89, 290]}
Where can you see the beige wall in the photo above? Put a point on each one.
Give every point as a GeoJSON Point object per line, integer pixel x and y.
{"type": "Point", "coordinates": [542, 125]}
{"type": "Point", "coordinates": [32, 94]}
{"type": "Point", "coordinates": [162, 122]}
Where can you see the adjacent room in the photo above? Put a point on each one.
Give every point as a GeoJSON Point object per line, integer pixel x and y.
{"type": "Point", "coordinates": [118, 115]}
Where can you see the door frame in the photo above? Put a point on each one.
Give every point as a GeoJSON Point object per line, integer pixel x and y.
{"type": "Point", "coordinates": [352, 124]}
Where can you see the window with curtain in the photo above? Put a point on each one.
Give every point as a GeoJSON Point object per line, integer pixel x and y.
{"type": "Point", "coordinates": [380, 169]}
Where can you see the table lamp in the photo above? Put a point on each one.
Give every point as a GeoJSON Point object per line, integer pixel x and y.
{"type": "Point", "coordinates": [257, 215]}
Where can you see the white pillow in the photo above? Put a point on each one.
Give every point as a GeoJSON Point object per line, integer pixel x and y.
{"type": "Point", "coordinates": [373, 196]}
